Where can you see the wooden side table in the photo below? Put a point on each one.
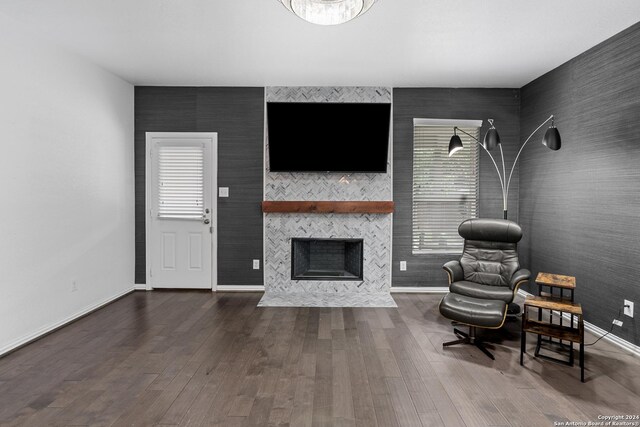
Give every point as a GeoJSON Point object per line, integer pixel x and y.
{"type": "Point", "coordinates": [571, 333]}
{"type": "Point", "coordinates": [558, 288]}
{"type": "Point", "coordinates": [556, 281]}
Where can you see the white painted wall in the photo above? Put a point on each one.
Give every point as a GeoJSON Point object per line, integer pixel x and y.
{"type": "Point", "coordinates": [66, 186]}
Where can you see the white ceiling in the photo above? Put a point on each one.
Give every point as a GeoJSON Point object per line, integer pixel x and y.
{"type": "Point", "coordinates": [456, 43]}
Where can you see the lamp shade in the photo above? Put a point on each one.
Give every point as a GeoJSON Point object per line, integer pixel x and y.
{"type": "Point", "coordinates": [491, 139]}
{"type": "Point", "coordinates": [455, 144]}
{"type": "Point", "coordinates": [552, 138]}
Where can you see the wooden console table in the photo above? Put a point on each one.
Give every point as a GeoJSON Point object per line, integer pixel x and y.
{"type": "Point", "coordinates": [571, 333]}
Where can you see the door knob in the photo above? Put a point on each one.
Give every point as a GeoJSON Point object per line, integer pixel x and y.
{"type": "Point", "coordinates": [206, 221]}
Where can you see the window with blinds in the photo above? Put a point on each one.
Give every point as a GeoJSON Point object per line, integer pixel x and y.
{"type": "Point", "coordinates": [445, 189]}
{"type": "Point", "coordinates": [180, 181]}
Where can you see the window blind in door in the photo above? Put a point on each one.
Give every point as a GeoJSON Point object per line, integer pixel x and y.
{"type": "Point", "coordinates": [180, 181]}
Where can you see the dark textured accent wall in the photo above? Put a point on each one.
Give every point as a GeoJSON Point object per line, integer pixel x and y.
{"type": "Point", "coordinates": [580, 206]}
{"type": "Point", "coordinates": [237, 115]}
{"type": "Point", "coordinates": [503, 105]}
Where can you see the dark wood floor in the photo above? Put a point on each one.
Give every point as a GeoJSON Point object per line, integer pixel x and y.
{"type": "Point", "coordinates": [197, 358]}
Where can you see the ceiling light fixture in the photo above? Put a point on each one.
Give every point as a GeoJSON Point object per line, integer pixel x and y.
{"type": "Point", "coordinates": [328, 12]}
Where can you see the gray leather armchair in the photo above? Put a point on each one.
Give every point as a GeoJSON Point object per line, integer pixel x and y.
{"type": "Point", "coordinates": [489, 266]}
{"type": "Point", "coordinates": [486, 278]}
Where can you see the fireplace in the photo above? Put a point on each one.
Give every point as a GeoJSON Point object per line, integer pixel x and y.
{"type": "Point", "coordinates": [313, 206]}
{"type": "Point", "coordinates": [326, 259]}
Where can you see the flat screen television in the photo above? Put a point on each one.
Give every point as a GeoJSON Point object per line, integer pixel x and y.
{"type": "Point", "coordinates": [328, 137]}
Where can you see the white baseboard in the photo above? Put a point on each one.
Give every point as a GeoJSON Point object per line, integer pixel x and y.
{"type": "Point", "coordinates": [599, 332]}
{"type": "Point", "coordinates": [227, 288]}
{"type": "Point", "coordinates": [50, 328]}
{"type": "Point", "coordinates": [219, 288]}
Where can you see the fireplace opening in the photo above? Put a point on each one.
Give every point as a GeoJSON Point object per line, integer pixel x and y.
{"type": "Point", "coordinates": [326, 259]}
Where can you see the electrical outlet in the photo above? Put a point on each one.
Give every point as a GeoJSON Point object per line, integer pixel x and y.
{"type": "Point", "coordinates": [617, 322]}
{"type": "Point", "coordinates": [628, 308]}
{"type": "Point", "coordinates": [403, 265]}
{"type": "Point", "coordinates": [223, 191]}
{"type": "Point", "coordinates": [256, 264]}
{"type": "Point", "coordinates": [74, 286]}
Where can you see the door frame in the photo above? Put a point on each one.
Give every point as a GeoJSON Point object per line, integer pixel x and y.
{"type": "Point", "coordinates": [149, 137]}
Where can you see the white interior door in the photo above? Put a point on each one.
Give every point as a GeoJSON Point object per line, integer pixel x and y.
{"type": "Point", "coordinates": [181, 176]}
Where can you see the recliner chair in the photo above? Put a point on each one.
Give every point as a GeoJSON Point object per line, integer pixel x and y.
{"type": "Point", "coordinates": [486, 278]}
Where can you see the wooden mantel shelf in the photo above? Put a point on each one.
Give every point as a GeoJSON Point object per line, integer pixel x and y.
{"type": "Point", "coordinates": [351, 207]}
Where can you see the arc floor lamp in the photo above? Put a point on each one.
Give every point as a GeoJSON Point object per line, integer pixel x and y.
{"type": "Point", "coordinates": [491, 140]}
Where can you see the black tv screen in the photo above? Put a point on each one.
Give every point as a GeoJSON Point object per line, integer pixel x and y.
{"type": "Point", "coordinates": [328, 137]}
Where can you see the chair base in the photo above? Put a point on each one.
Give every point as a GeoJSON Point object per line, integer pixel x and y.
{"type": "Point", "coordinates": [469, 338]}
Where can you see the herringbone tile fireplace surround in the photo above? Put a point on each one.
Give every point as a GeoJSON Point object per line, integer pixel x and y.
{"type": "Point", "coordinates": [280, 228]}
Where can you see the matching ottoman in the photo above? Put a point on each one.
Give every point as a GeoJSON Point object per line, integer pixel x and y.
{"type": "Point", "coordinates": [474, 312]}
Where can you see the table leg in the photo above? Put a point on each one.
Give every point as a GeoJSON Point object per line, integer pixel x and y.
{"type": "Point", "coordinates": [523, 336]}
{"type": "Point", "coordinates": [582, 361]}
{"type": "Point", "coordinates": [539, 339]}
{"type": "Point", "coordinates": [581, 326]}
{"type": "Point", "coordinates": [571, 357]}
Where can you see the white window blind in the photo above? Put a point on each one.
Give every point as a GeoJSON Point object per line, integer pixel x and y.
{"type": "Point", "coordinates": [180, 181]}
{"type": "Point", "coordinates": [445, 189]}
